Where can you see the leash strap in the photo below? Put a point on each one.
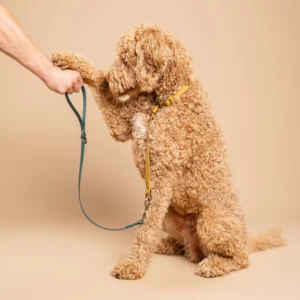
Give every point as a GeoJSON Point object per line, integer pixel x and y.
{"type": "Point", "coordinates": [83, 143]}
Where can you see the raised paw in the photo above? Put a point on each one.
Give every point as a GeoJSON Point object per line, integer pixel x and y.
{"type": "Point", "coordinates": [63, 60]}
{"type": "Point", "coordinates": [169, 246]}
{"type": "Point", "coordinates": [129, 269]}
{"type": "Point", "coordinates": [76, 62]}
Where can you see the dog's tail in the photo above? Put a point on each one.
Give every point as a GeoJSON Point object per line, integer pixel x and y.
{"type": "Point", "coordinates": [271, 239]}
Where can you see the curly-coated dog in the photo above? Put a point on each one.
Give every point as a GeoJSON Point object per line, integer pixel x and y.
{"type": "Point", "coordinates": [193, 197]}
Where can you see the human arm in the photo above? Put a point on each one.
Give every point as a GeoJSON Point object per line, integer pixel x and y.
{"type": "Point", "coordinates": [15, 43]}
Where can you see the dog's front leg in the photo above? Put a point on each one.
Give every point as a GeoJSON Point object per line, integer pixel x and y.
{"type": "Point", "coordinates": [76, 62]}
{"type": "Point", "coordinates": [134, 266]}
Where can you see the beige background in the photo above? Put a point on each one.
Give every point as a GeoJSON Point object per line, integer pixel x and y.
{"type": "Point", "coordinates": [247, 54]}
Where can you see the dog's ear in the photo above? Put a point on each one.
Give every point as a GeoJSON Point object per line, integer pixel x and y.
{"type": "Point", "coordinates": [153, 55]}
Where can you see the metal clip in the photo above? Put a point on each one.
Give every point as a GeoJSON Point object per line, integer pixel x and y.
{"type": "Point", "coordinates": [147, 201]}
{"type": "Point", "coordinates": [147, 204]}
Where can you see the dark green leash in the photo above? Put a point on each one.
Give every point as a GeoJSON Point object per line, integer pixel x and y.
{"type": "Point", "coordinates": [83, 143]}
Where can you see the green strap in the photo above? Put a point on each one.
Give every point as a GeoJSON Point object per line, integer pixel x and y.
{"type": "Point", "coordinates": [83, 143]}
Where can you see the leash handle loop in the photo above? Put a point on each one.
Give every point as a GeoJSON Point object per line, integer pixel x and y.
{"type": "Point", "coordinates": [82, 120]}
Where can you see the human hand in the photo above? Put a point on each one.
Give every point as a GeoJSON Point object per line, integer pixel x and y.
{"type": "Point", "coordinates": [63, 81]}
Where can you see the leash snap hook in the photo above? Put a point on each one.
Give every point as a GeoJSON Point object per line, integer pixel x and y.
{"type": "Point", "coordinates": [147, 204]}
{"type": "Point", "coordinates": [147, 201]}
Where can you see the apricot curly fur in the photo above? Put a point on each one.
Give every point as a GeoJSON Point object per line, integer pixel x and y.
{"type": "Point", "coordinates": [193, 197]}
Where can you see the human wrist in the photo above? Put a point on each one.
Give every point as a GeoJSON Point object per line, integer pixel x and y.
{"type": "Point", "coordinates": [45, 73]}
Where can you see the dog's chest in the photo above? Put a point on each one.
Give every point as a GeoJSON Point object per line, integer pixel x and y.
{"type": "Point", "coordinates": [139, 137]}
{"type": "Point", "coordinates": [139, 126]}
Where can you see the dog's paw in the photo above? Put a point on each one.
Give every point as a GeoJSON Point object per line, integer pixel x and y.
{"type": "Point", "coordinates": [169, 246]}
{"type": "Point", "coordinates": [207, 269]}
{"type": "Point", "coordinates": [214, 265]}
{"type": "Point", "coordinates": [61, 60]}
{"type": "Point", "coordinates": [129, 269]}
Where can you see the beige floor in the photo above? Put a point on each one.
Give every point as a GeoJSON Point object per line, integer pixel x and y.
{"type": "Point", "coordinates": [73, 262]}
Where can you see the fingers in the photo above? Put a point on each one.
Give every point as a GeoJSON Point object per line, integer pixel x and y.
{"type": "Point", "coordinates": [64, 81]}
{"type": "Point", "coordinates": [60, 91]}
{"type": "Point", "coordinates": [77, 82]}
{"type": "Point", "coordinates": [80, 80]}
{"type": "Point", "coordinates": [77, 85]}
{"type": "Point", "coordinates": [70, 91]}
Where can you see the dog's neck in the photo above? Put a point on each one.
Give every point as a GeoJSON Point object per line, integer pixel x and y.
{"type": "Point", "coordinates": [162, 93]}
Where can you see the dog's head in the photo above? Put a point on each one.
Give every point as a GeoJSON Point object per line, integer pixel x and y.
{"type": "Point", "coordinates": [148, 60]}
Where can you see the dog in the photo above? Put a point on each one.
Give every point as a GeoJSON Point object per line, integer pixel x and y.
{"type": "Point", "coordinates": [193, 198]}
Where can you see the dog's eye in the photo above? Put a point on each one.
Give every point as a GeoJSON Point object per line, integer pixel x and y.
{"type": "Point", "coordinates": [105, 84]}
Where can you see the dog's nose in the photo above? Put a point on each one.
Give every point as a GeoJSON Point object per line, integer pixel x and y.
{"type": "Point", "coordinates": [105, 84]}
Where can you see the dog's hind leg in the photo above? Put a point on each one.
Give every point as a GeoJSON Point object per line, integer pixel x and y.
{"type": "Point", "coordinates": [222, 234]}
{"type": "Point", "coordinates": [215, 265]}
{"type": "Point", "coordinates": [173, 244]}
{"type": "Point", "coordinates": [183, 238]}
{"type": "Point", "coordinates": [169, 246]}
